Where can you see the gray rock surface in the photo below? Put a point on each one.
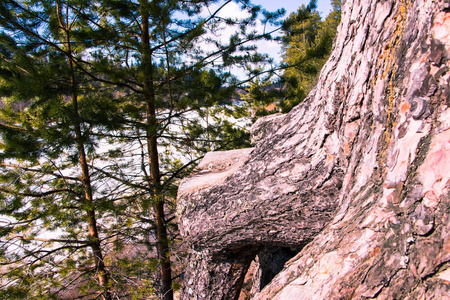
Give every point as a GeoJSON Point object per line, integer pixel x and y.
{"type": "Point", "coordinates": [357, 176]}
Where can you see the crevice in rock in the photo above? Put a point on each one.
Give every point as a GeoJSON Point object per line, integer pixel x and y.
{"type": "Point", "coordinates": [269, 261]}
{"type": "Point", "coordinates": [272, 260]}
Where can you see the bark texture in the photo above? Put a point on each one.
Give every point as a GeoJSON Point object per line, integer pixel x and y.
{"type": "Point", "coordinates": [357, 176]}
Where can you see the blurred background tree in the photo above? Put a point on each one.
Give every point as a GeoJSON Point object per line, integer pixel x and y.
{"type": "Point", "coordinates": [306, 44]}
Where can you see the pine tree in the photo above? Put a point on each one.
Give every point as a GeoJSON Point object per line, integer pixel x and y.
{"type": "Point", "coordinates": [306, 43]}
{"type": "Point", "coordinates": [175, 69]}
{"type": "Point", "coordinates": [75, 74]}
{"type": "Point", "coordinates": [47, 185]}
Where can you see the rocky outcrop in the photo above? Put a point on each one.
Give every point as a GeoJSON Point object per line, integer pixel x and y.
{"type": "Point", "coordinates": [356, 178]}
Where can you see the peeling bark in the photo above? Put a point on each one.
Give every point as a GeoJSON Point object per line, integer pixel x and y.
{"type": "Point", "coordinates": [359, 173]}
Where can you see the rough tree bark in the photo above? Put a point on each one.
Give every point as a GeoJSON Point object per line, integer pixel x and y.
{"type": "Point", "coordinates": [357, 175]}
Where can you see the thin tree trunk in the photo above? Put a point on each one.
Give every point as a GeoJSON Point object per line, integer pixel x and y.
{"type": "Point", "coordinates": [100, 268]}
{"type": "Point", "coordinates": [158, 206]}
{"type": "Point", "coordinates": [155, 176]}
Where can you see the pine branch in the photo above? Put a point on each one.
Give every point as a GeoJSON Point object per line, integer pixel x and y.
{"type": "Point", "coordinates": [186, 33]}
{"type": "Point", "coordinates": [6, 126]}
{"type": "Point", "coordinates": [110, 175]}
{"type": "Point", "coordinates": [176, 173]}
{"type": "Point", "coordinates": [33, 254]}
{"type": "Point", "coordinates": [51, 240]}
{"type": "Point", "coordinates": [40, 171]}
{"type": "Point", "coordinates": [39, 195]}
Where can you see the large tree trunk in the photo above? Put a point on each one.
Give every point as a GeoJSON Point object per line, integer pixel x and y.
{"type": "Point", "coordinates": [359, 173]}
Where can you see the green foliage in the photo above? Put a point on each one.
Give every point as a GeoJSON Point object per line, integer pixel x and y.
{"type": "Point", "coordinates": [307, 42]}
{"type": "Point", "coordinates": [89, 89]}
{"type": "Point", "coordinates": [307, 45]}
{"type": "Point", "coordinates": [47, 129]}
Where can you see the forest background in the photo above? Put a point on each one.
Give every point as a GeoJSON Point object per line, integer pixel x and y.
{"type": "Point", "coordinates": [105, 106]}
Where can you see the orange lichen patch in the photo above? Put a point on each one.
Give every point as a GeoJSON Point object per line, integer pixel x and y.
{"type": "Point", "coordinates": [350, 131]}
{"type": "Point", "coordinates": [346, 148]}
{"type": "Point", "coordinates": [330, 158]}
{"type": "Point", "coordinates": [375, 251]}
{"type": "Point", "coordinates": [441, 28]}
{"type": "Point", "coordinates": [404, 107]}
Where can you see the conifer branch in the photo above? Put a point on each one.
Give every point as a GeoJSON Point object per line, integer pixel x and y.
{"type": "Point", "coordinates": [19, 167]}
{"type": "Point", "coordinates": [39, 195]}
{"type": "Point", "coordinates": [112, 176]}
{"type": "Point", "coordinates": [24, 238]}
{"type": "Point", "coordinates": [6, 126]}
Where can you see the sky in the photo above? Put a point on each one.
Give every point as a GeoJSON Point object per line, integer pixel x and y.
{"type": "Point", "coordinates": [272, 48]}
{"type": "Point", "coordinates": [323, 6]}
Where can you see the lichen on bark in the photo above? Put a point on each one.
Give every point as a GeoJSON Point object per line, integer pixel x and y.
{"type": "Point", "coordinates": [357, 176]}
